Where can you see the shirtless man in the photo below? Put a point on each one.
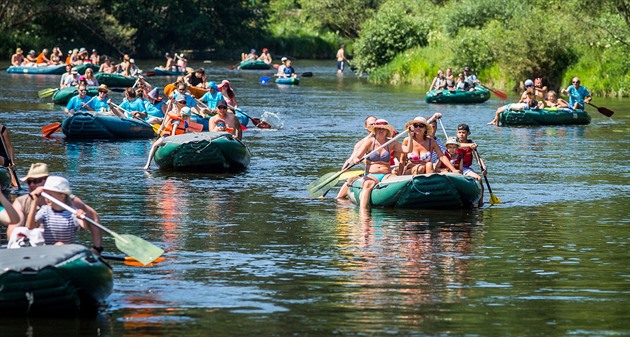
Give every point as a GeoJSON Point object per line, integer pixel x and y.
{"type": "Point", "coordinates": [231, 122]}
{"type": "Point", "coordinates": [17, 58]}
{"type": "Point", "coordinates": [341, 58]}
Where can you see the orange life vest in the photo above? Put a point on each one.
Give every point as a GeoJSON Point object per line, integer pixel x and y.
{"type": "Point", "coordinates": [181, 128]}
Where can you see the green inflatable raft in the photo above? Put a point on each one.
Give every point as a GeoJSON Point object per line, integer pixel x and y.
{"type": "Point", "coordinates": [479, 95]}
{"type": "Point", "coordinates": [115, 80]}
{"type": "Point", "coordinates": [63, 95]}
{"type": "Point", "coordinates": [211, 152]}
{"type": "Point", "coordinates": [89, 126]}
{"type": "Point", "coordinates": [288, 80]}
{"type": "Point", "coordinates": [423, 191]}
{"type": "Point", "coordinates": [547, 116]}
{"type": "Point", "coordinates": [254, 65]}
{"type": "Point", "coordinates": [52, 281]}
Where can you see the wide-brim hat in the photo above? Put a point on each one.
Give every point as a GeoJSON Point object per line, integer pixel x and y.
{"type": "Point", "coordinates": [224, 83]}
{"type": "Point", "coordinates": [381, 124]}
{"type": "Point", "coordinates": [420, 120]}
{"type": "Point", "coordinates": [19, 51]}
{"type": "Point", "coordinates": [103, 87]}
{"type": "Point", "coordinates": [37, 170]}
{"type": "Point", "coordinates": [57, 184]}
{"type": "Point", "coordinates": [452, 141]}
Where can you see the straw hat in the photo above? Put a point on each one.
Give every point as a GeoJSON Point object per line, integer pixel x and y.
{"type": "Point", "coordinates": [452, 141]}
{"type": "Point", "coordinates": [420, 120]}
{"type": "Point", "coordinates": [57, 184]}
{"type": "Point", "coordinates": [381, 124]}
{"type": "Point", "coordinates": [103, 87]}
{"type": "Point", "coordinates": [37, 170]}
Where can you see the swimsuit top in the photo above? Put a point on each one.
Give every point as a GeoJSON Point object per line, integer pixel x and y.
{"type": "Point", "coordinates": [379, 157]}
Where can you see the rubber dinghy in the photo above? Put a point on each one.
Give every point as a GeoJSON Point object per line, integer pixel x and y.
{"type": "Point", "coordinates": [44, 70]}
{"type": "Point", "coordinates": [52, 280]}
{"type": "Point", "coordinates": [254, 65]}
{"type": "Point", "coordinates": [546, 116]}
{"type": "Point", "coordinates": [212, 152]}
{"type": "Point", "coordinates": [479, 95]}
{"type": "Point", "coordinates": [423, 191]}
{"type": "Point", "coordinates": [88, 126]}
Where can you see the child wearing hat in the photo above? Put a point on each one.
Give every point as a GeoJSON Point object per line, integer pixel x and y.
{"type": "Point", "coordinates": [466, 149]}
{"type": "Point", "coordinates": [60, 225]}
{"type": "Point", "coordinates": [453, 154]}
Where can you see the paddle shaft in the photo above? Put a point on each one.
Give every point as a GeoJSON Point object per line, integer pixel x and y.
{"type": "Point", "coordinates": [482, 169]}
{"type": "Point", "coordinates": [257, 122]}
{"type": "Point", "coordinates": [11, 167]}
{"type": "Point", "coordinates": [499, 94]}
{"type": "Point", "coordinates": [74, 211]}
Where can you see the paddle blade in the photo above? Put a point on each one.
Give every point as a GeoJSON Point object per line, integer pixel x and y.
{"type": "Point", "coordinates": [351, 174]}
{"type": "Point", "coordinates": [138, 248]}
{"type": "Point", "coordinates": [320, 186]}
{"type": "Point", "coordinates": [192, 126]}
{"type": "Point", "coordinates": [500, 94]}
{"type": "Point", "coordinates": [494, 199]}
{"type": "Point", "coordinates": [46, 92]}
{"type": "Point", "coordinates": [150, 73]}
{"type": "Point", "coordinates": [307, 74]}
{"type": "Point", "coordinates": [264, 79]}
{"type": "Point", "coordinates": [231, 67]}
{"type": "Point", "coordinates": [49, 129]}
{"type": "Point", "coordinates": [605, 112]}
{"type": "Point", "coordinates": [261, 124]}
{"type": "Point", "coordinates": [276, 66]}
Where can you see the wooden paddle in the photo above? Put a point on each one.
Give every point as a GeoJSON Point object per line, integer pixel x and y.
{"type": "Point", "coordinates": [321, 186]}
{"type": "Point", "coordinates": [257, 122]}
{"type": "Point", "coordinates": [493, 198]}
{"type": "Point", "coordinates": [140, 249]}
{"type": "Point", "coordinates": [15, 182]}
{"type": "Point", "coordinates": [499, 94]}
{"type": "Point", "coordinates": [602, 110]}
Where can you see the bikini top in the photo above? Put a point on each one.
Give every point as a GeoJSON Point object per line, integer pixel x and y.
{"type": "Point", "coordinates": [379, 157]}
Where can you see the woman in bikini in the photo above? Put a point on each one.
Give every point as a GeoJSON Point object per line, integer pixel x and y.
{"type": "Point", "coordinates": [418, 148]}
{"type": "Point", "coordinates": [377, 165]}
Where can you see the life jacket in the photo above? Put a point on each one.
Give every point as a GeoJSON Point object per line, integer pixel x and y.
{"type": "Point", "coordinates": [181, 128]}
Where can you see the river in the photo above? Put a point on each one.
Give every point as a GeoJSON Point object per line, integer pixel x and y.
{"type": "Point", "coordinates": [252, 254]}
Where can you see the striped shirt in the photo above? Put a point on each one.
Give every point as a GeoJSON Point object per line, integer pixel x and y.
{"type": "Point", "coordinates": [59, 226]}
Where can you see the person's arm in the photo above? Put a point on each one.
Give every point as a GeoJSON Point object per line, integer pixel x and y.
{"type": "Point", "coordinates": [30, 219]}
{"type": "Point", "coordinates": [8, 215]}
{"type": "Point", "coordinates": [443, 159]}
{"type": "Point", "coordinates": [96, 233]}
{"type": "Point", "coordinates": [433, 84]}
{"type": "Point", "coordinates": [587, 96]}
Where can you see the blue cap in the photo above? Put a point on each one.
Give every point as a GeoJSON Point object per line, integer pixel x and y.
{"type": "Point", "coordinates": [211, 84]}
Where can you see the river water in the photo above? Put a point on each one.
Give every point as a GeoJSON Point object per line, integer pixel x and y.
{"type": "Point", "coordinates": [252, 254]}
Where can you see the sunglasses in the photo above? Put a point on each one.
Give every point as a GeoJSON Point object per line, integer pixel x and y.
{"type": "Point", "coordinates": [576, 82]}
{"type": "Point", "coordinates": [182, 90]}
{"type": "Point", "coordinates": [220, 125]}
{"type": "Point", "coordinates": [35, 181]}
{"type": "Point", "coordinates": [419, 125]}
{"type": "Point", "coordinates": [381, 123]}
{"type": "Point", "coordinates": [221, 107]}
{"type": "Point", "coordinates": [83, 90]}
{"type": "Point", "coordinates": [102, 92]}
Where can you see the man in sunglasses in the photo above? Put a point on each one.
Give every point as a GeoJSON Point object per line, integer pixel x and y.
{"type": "Point", "coordinates": [231, 122]}
{"type": "Point", "coordinates": [578, 95]}
{"type": "Point", "coordinates": [35, 178]}
{"type": "Point", "coordinates": [79, 102]}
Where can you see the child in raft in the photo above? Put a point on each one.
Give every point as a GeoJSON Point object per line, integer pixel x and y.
{"type": "Point", "coordinates": [467, 147]}
{"type": "Point", "coordinates": [454, 155]}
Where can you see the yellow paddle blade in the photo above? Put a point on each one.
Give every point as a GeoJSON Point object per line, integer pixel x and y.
{"type": "Point", "coordinates": [494, 199]}
{"type": "Point", "coordinates": [138, 248]}
{"type": "Point", "coordinates": [351, 174]}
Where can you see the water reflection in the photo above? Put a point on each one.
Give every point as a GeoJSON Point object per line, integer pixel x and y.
{"type": "Point", "coordinates": [415, 261]}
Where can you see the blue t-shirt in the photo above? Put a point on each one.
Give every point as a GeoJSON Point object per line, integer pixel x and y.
{"type": "Point", "coordinates": [99, 105]}
{"type": "Point", "coordinates": [154, 110]}
{"type": "Point", "coordinates": [577, 95]}
{"type": "Point", "coordinates": [289, 71]}
{"type": "Point", "coordinates": [136, 105]}
{"type": "Point", "coordinates": [75, 103]}
{"type": "Point", "coordinates": [212, 100]}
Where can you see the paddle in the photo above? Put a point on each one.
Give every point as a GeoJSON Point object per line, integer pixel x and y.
{"type": "Point", "coordinates": [234, 66]}
{"type": "Point", "coordinates": [150, 73]}
{"type": "Point", "coordinates": [493, 198]}
{"type": "Point", "coordinates": [265, 79]}
{"type": "Point", "coordinates": [47, 92]}
{"type": "Point", "coordinates": [140, 249]}
{"type": "Point", "coordinates": [321, 186]}
{"type": "Point", "coordinates": [499, 94]}
{"type": "Point", "coordinates": [51, 128]}
{"type": "Point", "coordinates": [257, 122]}
{"type": "Point", "coordinates": [14, 179]}
{"type": "Point", "coordinates": [130, 261]}
{"type": "Point", "coordinates": [602, 110]}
